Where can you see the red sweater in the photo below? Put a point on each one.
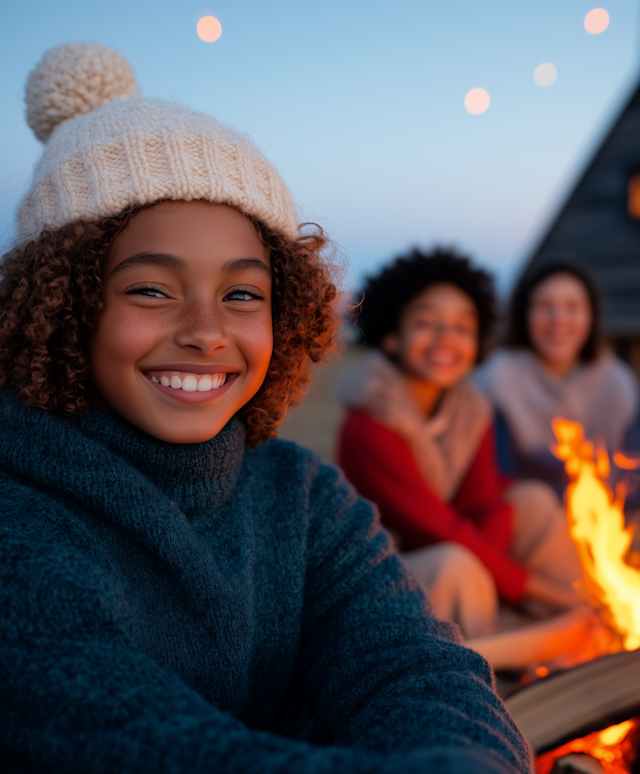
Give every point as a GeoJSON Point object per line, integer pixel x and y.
{"type": "Point", "coordinates": [381, 466]}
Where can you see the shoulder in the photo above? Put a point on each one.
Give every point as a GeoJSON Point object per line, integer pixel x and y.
{"type": "Point", "coordinates": [474, 401]}
{"type": "Point", "coordinates": [486, 374]}
{"type": "Point", "coordinates": [46, 528]}
{"type": "Point", "coordinates": [500, 361]}
{"type": "Point", "coordinates": [298, 476]}
{"type": "Point", "coordinates": [500, 370]}
{"type": "Point", "coordinates": [362, 433]}
{"type": "Point", "coordinates": [51, 560]}
{"type": "Point", "coordinates": [611, 379]}
{"type": "Point", "coordinates": [279, 455]}
{"type": "Point", "coordinates": [622, 375]}
{"type": "Point", "coordinates": [314, 497]}
{"type": "Point", "coordinates": [291, 468]}
{"type": "Point", "coordinates": [360, 421]}
{"type": "Point", "coordinates": [23, 502]}
{"type": "Point", "coordinates": [470, 419]}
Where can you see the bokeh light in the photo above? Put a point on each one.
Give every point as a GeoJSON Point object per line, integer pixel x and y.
{"type": "Point", "coordinates": [477, 101]}
{"type": "Point", "coordinates": [209, 29]}
{"type": "Point", "coordinates": [545, 74]}
{"type": "Point", "coordinates": [596, 21]}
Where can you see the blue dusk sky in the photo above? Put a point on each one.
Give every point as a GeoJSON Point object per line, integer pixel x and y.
{"type": "Point", "coordinates": [360, 105]}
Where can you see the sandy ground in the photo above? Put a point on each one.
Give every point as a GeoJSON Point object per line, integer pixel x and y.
{"type": "Point", "coordinates": [315, 422]}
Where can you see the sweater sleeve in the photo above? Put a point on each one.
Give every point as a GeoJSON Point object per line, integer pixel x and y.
{"type": "Point", "coordinates": [79, 695]}
{"type": "Point", "coordinates": [379, 671]}
{"type": "Point", "coordinates": [380, 464]}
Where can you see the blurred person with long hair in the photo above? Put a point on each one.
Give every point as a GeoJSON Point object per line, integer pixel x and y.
{"type": "Point", "coordinates": [555, 364]}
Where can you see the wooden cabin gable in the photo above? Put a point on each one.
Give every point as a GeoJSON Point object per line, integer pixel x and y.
{"type": "Point", "coordinates": [599, 226]}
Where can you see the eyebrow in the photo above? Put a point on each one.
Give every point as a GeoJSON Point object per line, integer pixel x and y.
{"type": "Point", "coordinates": [241, 264]}
{"type": "Point", "coordinates": [164, 260]}
{"type": "Point", "coordinates": [174, 263]}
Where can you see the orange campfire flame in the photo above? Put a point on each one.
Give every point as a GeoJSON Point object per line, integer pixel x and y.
{"type": "Point", "coordinates": [614, 747]}
{"type": "Point", "coordinates": [624, 462]}
{"type": "Point", "coordinates": [596, 525]}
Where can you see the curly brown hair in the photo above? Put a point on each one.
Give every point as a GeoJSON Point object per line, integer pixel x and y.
{"type": "Point", "coordinates": [51, 299]}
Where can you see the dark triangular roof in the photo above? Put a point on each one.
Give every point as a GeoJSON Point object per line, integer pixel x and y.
{"type": "Point", "coordinates": [595, 228]}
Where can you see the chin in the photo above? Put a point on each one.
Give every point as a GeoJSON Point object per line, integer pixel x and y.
{"type": "Point", "coordinates": [184, 435]}
{"type": "Point", "coordinates": [178, 429]}
{"type": "Point", "coordinates": [559, 356]}
{"type": "Point", "coordinates": [443, 380]}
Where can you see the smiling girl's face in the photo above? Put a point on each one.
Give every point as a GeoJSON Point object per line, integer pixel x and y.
{"type": "Point", "coordinates": [437, 340]}
{"type": "Point", "coordinates": [185, 337]}
{"type": "Point", "coordinates": [560, 320]}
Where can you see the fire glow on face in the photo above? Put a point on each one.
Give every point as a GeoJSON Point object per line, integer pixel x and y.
{"type": "Point", "coordinates": [597, 527]}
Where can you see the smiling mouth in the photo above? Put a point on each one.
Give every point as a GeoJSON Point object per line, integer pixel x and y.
{"type": "Point", "coordinates": [188, 382]}
{"type": "Point", "coordinates": [442, 359]}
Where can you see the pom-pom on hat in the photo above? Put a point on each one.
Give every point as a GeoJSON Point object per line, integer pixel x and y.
{"type": "Point", "coordinates": [107, 149]}
{"type": "Point", "coordinates": [75, 79]}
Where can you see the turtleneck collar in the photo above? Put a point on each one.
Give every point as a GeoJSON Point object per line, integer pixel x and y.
{"type": "Point", "coordinates": [194, 476]}
{"type": "Point", "coordinates": [81, 456]}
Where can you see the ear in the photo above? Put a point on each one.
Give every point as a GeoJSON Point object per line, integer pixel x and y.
{"type": "Point", "coordinates": [390, 344]}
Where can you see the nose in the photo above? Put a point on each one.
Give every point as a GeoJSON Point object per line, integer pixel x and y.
{"type": "Point", "coordinates": [558, 315]}
{"type": "Point", "coordinates": [201, 327]}
{"type": "Point", "coordinates": [444, 330]}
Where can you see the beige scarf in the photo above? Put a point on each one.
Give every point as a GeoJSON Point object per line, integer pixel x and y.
{"type": "Point", "coordinates": [443, 445]}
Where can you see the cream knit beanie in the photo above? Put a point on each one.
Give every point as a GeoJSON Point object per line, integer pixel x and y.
{"type": "Point", "coordinates": [107, 149]}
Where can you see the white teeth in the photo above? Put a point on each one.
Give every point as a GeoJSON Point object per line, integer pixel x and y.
{"type": "Point", "coordinates": [192, 382]}
{"type": "Point", "coordinates": [189, 383]}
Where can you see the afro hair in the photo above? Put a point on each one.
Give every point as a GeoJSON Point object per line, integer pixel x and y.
{"type": "Point", "coordinates": [387, 294]}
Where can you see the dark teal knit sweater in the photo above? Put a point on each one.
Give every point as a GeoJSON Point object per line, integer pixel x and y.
{"type": "Point", "coordinates": [210, 608]}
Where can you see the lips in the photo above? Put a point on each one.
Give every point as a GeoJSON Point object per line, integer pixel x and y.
{"type": "Point", "coordinates": [442, 358]}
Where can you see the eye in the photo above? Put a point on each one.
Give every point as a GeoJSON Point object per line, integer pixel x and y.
{"type": "Point", "coordinates": [147, 290]}
{"type": "Point", "coordinates": [241, 294]}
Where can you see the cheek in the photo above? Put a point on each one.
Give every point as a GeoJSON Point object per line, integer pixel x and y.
{"type": "Point", "coordinates": [541, 329]}
{"type": "Point", "coordinates": [583, 323]}
{"type": "Point", "coordinates": [416, 340]}
{"type": "Point", "coordinates": [537, 324]}
{"type": "Point", "coordinates": [255, 339]}
{"type": "Point", "coordinates": [124, 336]}
{"type": "Point", "coordinates": [469, 352]}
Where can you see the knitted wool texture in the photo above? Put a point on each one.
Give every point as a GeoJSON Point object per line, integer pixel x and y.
{"type": "Point", "coordinates": [175, 608]}
{"type": "Point", "coordinates": [107, 150]}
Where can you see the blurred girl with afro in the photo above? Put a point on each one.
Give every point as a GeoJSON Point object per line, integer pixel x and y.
{"type": "Point", "coordinates": [418, 440]}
